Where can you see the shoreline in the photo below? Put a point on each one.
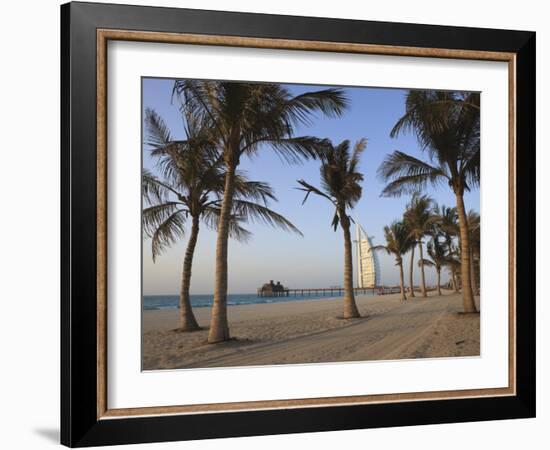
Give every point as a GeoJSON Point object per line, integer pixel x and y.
{"type": "Point", "coordinates": [291, 332]}
{"type": "Point", "coordinates": [261, 300]}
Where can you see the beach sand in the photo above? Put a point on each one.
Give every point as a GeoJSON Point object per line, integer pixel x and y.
{"type": "Point", "coordinates": [311, 331]}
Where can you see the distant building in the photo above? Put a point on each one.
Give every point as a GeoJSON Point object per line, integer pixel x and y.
{"type": "Point", "coordinates": [273, 290]}
{"type": "Point", "coordinates": [368, 267]}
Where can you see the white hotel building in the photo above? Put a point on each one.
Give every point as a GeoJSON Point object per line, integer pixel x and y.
{"type": "Point", "coordinates": [368, 267]}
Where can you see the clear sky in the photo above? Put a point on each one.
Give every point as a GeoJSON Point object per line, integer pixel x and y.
{"type": "Point", "coordinates": [316, 259]}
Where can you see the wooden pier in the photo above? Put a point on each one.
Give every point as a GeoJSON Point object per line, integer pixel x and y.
{"type": "Point", "coordinates": [328, 292]}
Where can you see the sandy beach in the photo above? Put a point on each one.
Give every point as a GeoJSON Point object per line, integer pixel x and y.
{"type": "Point", "coordinates": [311, 331]}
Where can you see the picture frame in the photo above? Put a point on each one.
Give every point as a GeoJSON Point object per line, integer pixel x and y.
{"type": "Point", "coordinates": [86, 418]}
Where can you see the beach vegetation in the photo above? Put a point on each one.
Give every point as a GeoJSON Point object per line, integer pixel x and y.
{"type": "Point", "coordinates": [340, 184]}
{"type": "Point", "coordinates": [448, 132]}
{"type": "Point", "coordinates": [244, 118]}
{"type": "Point", "coordinates": [189, 191]}
{"type": "Point", "coordinates": [398, 242]}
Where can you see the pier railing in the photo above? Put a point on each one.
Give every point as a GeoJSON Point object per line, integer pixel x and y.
{"type": "Point", "coordinates": [329, 292]}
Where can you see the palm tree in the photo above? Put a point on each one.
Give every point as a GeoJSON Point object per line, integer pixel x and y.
{"type": "Point", "coordinates": [411, 272]}
{"type": "Point", "coordinates": [340, 185]}
{"type": "Point", "coordinates": [411, 266]}
{"type": "Point", "coordinates": [242, 118]}
{"type": "Point", "coordinates": [438, 259]}
{"type": "Point", "coordinates": [419, 221]}
{"type": "Point", "coordinates": [448, 129]}
{"type": "Point", "coordinates": [474, 223]}
{"type": "Point", "coordinates": [398, 242]}
{"type": "Point", "coordinates": [446, 224]}
{"type": "Point", "coordinates": [191, 188]}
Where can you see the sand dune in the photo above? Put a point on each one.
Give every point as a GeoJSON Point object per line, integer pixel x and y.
{"type": "Point", "coordinates": [311, 331]}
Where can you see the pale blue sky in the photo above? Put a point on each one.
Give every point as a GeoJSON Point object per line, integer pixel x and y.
{"type": "Point", "coordinates": [316, 259]}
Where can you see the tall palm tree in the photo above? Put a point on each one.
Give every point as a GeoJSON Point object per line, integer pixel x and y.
{"type": "Point", "coordinates": [446, 223]}
{"type": "Point", "coordinates": [191, 189]}
{"type": "Point", "coordinates": [411, 272]}
{"type": "Point", "coordinates": [474, 223]}
{"type": "Point", "coordinates": [398, 242]}
{"type": "Point", "coordinates": [242, 118]}
{"type": "Point", "coordinates": [419, 221]}
{"type": "Point", "coordinates": [340, 185]}
{"type": "Point", "coordinates": [448, 129]}
{"type": "Point", "coordinates": [438, 259]}
{"type": "Point", "coordinates": [411, 265]}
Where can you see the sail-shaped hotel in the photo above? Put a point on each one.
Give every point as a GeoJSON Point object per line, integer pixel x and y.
{"type": "Point", "coordinates": [368, 267]}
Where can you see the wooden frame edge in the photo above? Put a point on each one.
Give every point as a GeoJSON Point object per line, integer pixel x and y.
{"type": "Point", "coordinates": [103, 35]}
{"type": "Point", "coordinates": [101, 225]}
{"type": "Point", "coordinates": [303, 403]}
{"type": "Point", "coordinates": [512, 199]}
{"type": "Point", "coordinates": [289, 44]}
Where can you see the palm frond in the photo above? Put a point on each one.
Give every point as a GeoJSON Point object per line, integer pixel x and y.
{"type": "Point", "coordinates": [358, 150]}
{"type": "Point", "coordinates": [166, 232]}
{"type": "Point", "coordinates": [153, 216]}
{"type": "Point", "coordinates": [255, 212]}
{"type": "Point", "coordinates": [380, 247]}
{"type": "Point", "coordinates": [211, 216]}
{"type": "Point", "coordinates": [294, 150]}
{"type": "Point", "coordinates": [426, 262]}
{"type": "Point", "coordinates": [335, 220]}
{"type": "Point", "coordinates": [407, 174]}
{"type": "Point", "coordinates": [157, 132]}
{"type": "Point", "coordinates": [308, 188]}
{"type": "Point", "coordinates": [154, 190]}
{"type": "Point", "coordinates": [258, 191]}
{"type": "Point", "coordinates": [472, 169]}
{"type": "Point", "coordinates": [405, 185]}
{"type": "Point", "coordinates": [199, 99]}
{"type": "Point", "coordinates": [331, 102]}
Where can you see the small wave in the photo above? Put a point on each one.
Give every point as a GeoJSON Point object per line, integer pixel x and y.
{"type": "Point", "coordinates": [159, 308]}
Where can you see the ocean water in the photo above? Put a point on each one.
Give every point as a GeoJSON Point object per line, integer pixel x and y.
{"type": "Point", "coordinates": [199, 301]}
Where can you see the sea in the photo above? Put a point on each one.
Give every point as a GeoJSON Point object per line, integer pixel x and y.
{"type": "Point", "coordinates": [152, 302]}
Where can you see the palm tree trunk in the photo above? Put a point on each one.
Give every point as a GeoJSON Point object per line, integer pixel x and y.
{"type": "Point", "coordinates": [350, 307]}
{"type": "Point", "coordinates": [424, 293]}
{"type": "Point", "coordinates": [473, 271]}
{"type": "Point", "coordinates": [455, 282]}
{"type": "Point", "coordinates": [188, 322]}
{"type": "Point", "coordinates": [438, 270]}
{"type": "Point", "coordinates": [411, 281]}
{"type": "Point", "coordinates": [467, 293]}
{"type": "Point", "coordinates": [402, 281]}
{"type": "Point", "coordinates": [219, 327]}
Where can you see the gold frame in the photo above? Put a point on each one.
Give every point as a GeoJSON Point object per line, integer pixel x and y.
{"type": "Point", "coordinates": [103, 36]}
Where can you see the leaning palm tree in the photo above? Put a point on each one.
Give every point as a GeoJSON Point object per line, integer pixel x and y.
{"type": "Point", "coordinates": [448, 129]}
{"type": "Point", "coordinates": [190, 190]}
{"type": "Point", "coordinates": [340, 185]}
{"type": "Point", "coordinates": [398, 242]}
{"type": "Point", "coordinates": [438, 259]}
{"type": "Point", "coordinates": [243, 118]}
{"type": "Point", "coordinates": [419, 221]}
